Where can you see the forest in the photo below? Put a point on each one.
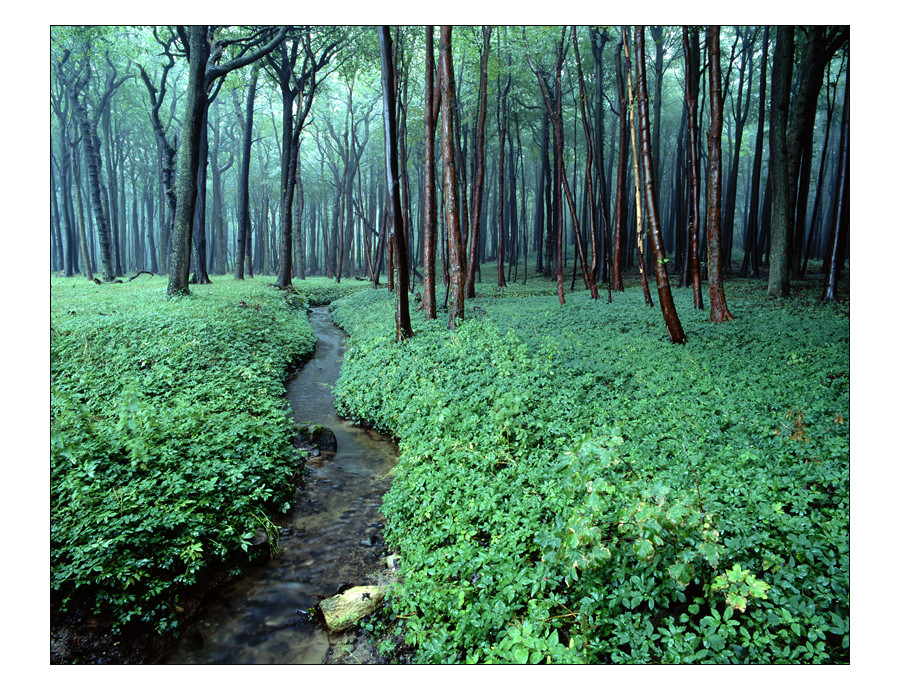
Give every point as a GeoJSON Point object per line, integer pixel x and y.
{"type": "Point", "coordinates": [613, 352]}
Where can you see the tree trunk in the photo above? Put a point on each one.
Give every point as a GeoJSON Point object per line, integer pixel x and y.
{"type": "Point", "coordinates": [618, 249]}
{"type": "Point", "coordinates": [243, 200]}
{"type": "Point", "coordinates": [840, 221]}
{"type": "Point", "coordinates": [478, 190]}
{"type": "Point", "coordinates": [718, 308]}
{"type": "Point", "coordinates": [189, 163]}
{"type": "Point", "coordinates": [751, 245]}
{"type": "Point", "coordinates": [398, 231]}
{"type": "Point", "coordinates": [782, 210]}
{"type": "Point", "coordinates": [93, 166]}
{"type": "Point", "coordinates": [430, 192]}
{"type": "Point", "coordinates": [636, 148]}
{"type": "Point", "coordinates": [451, 190]}
{"type": "Point", "coordinates": [673, 324]}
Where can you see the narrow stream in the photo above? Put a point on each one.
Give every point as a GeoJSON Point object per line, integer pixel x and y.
{"type": "Point", "coordinates": [331, 537]}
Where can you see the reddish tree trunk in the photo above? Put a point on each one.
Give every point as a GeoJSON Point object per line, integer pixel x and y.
{"type": "Point", "coordinates": [690, 97]}
{"type": "Point", "coordinates": [718, 307]}
{"type": "Point", "coordinates": [430, 193]}
{"type": "Point", "coordinates": [673, 324]}
{"type": "Point", "coordinates": [451, 189]}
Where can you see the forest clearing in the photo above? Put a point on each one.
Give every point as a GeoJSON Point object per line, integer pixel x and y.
{"type": "Point", "coordinates": [586, 393]}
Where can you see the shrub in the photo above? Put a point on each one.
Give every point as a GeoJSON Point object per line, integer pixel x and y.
{"type": "Point", "coordinates": [170, 446]}
{"type": "Point", "coordinates": [573, 488]}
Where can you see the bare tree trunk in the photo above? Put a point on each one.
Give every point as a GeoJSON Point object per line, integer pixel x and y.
{"type": "Point", "coordinates": [398, 231]}
{"type": "Point", "coordinates": [718, 307]}
{"type": "Point", "coordinates": [432, 99]}
{"type": "Point", "coordinates": [673, 324]}
{"type": "Point", "coordinates": [782, 209]}
{"type": "Point", "coordinates": [692, 82]}
{"type": "Point", "coordinates": [841, 219]}
{"type": "Point", "coordinates": [451, 190]}
{"type": "Point", "coordinates": [478, 190]}
{"type": "Point", "coordinates": [639, 225]}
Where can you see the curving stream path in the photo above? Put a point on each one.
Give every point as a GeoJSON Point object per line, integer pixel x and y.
{"type": "Point", "coordinates": [330, 538]}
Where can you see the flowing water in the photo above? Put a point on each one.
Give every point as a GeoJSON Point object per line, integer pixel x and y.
{"type": "Point", "coordinates": [331, 537]}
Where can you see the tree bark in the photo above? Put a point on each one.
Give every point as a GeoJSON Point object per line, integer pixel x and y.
{"type": "Point", "coordinates": [398, 231]}
{"type": "Point", "coordinates": [751, 244]}
{"type": "Point", "coordinates": [840, 221]}
{"type": "Point", "coordinates": [639, 225]}
{"type": "Point", "coordinates": [718, 307]}
{"type": "Point", "coordinates": [188, 163]}
{"type": "Point", "coordinates": [430, 192]}
{"type": "Point", "coordinates": [478, 190]}
{"type": "Point", "coordinates": [618, 248]}
{"type": "Point", "coordinates": [451, 190]}
{"type": "Point", "coordinates": [673, 324]}
{"type": "Point", "coordinates": [243, 199]}
{"type": "Point", "coordinates": [782, 210]}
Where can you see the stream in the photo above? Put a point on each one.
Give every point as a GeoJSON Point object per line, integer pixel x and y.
{"type": "Point", "coordinates": [332, 536]}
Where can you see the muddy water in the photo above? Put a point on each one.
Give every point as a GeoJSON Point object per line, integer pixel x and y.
{"type": "Point", "coordinates": [331, 538]}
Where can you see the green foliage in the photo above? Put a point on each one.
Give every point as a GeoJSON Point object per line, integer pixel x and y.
{"type": "Point", "coordinates": [574, 489]}
{"type": "Point", "coordinates": [169, 442]}
{"type": "Point", "coordinates": [319, 290]}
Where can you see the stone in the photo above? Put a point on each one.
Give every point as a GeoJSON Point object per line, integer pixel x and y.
{"type": "Point", "coordinates": [320, 437]}
{"type": "Point", "coordinates": [348, 608]}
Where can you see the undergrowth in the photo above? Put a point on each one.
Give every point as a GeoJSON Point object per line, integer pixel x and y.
{"type": "Point", "coordinates": [170, 446]}
{"type": "Point", "coordinates": [573, 488]}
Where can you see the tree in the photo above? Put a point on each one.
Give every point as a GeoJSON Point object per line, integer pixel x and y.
{"type": "Point", "coordinates": [451, 188]}
{"type": "Point", "coordinates": [718, 307]}
{"type": "Point", "coordinates": [635, 147]}
{"type": "Point", "coordinates": [840, 220]}
{"type": "Point", "coordinates": [203, 70]}
{"type": "Point", "coordinates": [243, 199]}
{"type": "Point", "coordinates": [673, 324]}
{"type": "Point", "coordinates": [478, 190]}
{"type": "Point", "coordinates": [691, 87]}
{"type": "Point", "coordinates": [430, 219]}
{"type": "Point", "coordinates": [782, 217]}
{"type": "Point", "coordinates": [751, 244]}
{"type": "Point", "coordinates": [297, 88]}
{"type": "Point", "coordinates": [398, 231]}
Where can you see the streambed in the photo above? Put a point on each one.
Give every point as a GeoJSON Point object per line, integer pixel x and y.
{"type": "Point", "coordinates": [332, 537]}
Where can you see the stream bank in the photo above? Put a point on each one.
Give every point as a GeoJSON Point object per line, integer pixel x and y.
{"type": "Point", "coordinates": [329, 541]}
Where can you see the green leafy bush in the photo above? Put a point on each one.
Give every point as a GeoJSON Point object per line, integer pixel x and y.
{"type": "Point", "coordinates": [169, 441]}
{"type": "Point", "coordinates": [572, 488]}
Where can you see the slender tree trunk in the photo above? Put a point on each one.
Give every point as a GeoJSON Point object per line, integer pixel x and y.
{"type": "Point", "coordinates": [639, 225]}
{"type": "Point", "coordinates": [398, 231]}
{"type": "Point", "coordinates": [840, 221]}
{"type": "Point", "coordinates": [478, 190]}
{"type": "Point", "coordinates": [430, 192]}
{"type": "Point", "coordinates": [451, 191]}
{"type": "Point", "coordinates": [782, 209]}
{"type": "Point", "coordinates": [618, 249]}
{"type": "Point", "coordinates": [751, 246]}
{"type": "Point", "coordinates": [667, 304]}
{"type": "Point", "coordinates": [243, 194]}
{"type": "Point", "coordinates": [718, 307]}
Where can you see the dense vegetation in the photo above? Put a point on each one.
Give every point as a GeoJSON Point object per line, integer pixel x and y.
{"type": "Point", "coordinates": [573, 489]}
{"type": "Point", "coordinates": [170, 447]}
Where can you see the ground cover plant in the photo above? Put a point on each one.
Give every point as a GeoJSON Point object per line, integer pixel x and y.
{"type": "Point", "coordinates": [170, 447]}
{"type": "Point", "coordinates": [574, 488]}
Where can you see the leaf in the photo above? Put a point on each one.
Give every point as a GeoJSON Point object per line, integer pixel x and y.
{"type": "Point", "coordinates": [643, 549]}
{"type": "Point", "coordinates": [520, 654]}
